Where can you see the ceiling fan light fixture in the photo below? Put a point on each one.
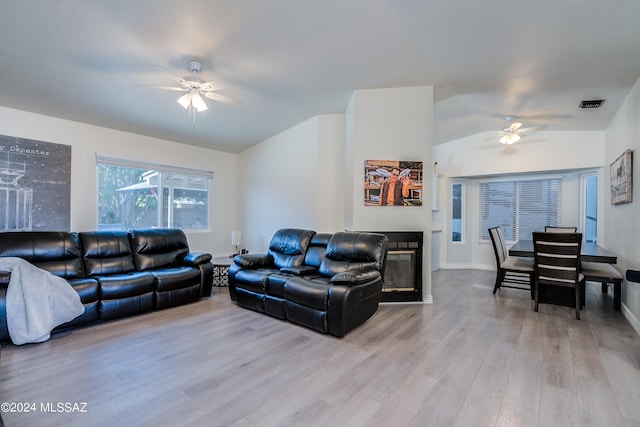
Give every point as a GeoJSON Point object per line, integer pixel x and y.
{"type": "Point", "coordinates": [510, 138]}
{"type": "Point", "coordinates": [185, 100]}
{"type": "Point", "coordinates": [198, 103]}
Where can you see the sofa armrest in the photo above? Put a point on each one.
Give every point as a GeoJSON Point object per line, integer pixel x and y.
{"type": "Point", "coordinates": [253, 261]}
{"type": "Point", "coordinates": [301, 270]}
{"type": "Point", "coordinates": [5, 276]}
{"type": "Point", "coordinates": [355, 277]}
{"type": "Point", "coordinates": [196, 258]}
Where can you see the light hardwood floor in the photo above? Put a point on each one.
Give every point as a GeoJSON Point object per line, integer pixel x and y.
{"type": "Point", "coordinates": [470, 359]}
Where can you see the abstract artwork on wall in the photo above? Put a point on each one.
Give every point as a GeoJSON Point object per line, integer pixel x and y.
{"type": "Point", "coordinates": [35, 185]}
{"type": "Point", "coordinates": [393, 183]}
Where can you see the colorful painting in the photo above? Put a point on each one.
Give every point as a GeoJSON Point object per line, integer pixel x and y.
{"type": "Point", "coordinates": [393, 183]}
{"type": "Point", "coordinates": [35, 185]}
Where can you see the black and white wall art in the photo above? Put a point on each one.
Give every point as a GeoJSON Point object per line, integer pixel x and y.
{"type": "Point", "coordinates": [35, 185]}
{"type": "Point", "coordinates": [621, 174]}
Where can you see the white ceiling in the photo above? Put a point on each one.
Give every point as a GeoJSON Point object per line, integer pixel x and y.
{"type": "Point", "coordinates": [97, 61]}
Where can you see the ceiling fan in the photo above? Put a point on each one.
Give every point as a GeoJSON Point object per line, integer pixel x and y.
{"type": "Point", "coordinates": [511, 133]}
{"type": "Point", "coordinates": [196, 89]}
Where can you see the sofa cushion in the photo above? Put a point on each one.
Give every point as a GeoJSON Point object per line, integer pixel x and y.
{"type": "Point", "coordinates": [158, 247]}
{"type": "Point", "coordinates": [106, 252]}
{"type": "Point", "coordinates": [275, 284]}
{"type": "Point", "coordinates": [55, 251]}
{"type": "Point", "coordinates": [306, 292]}
{"type": "Point", "coordinates": [307, 316]}
{"type": "Point", "coordinates": [351, 251]}
{"type": "Point", "coordinates": [168, 279]}
{"type": "Point", "coordinates": [288, 246]}
{"type": "Point", "coordinates": [176, 286]}
{"type": "Point", "coordinates": [254, 280]}
{"type": "Point", "coordinates": [316, 250]}
{"type": "Point", "coordinates": [87, 288]}
{"type": "Point", "coordinates": [125, 285]}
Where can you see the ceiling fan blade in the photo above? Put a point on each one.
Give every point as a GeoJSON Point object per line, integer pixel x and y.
{"type": "Point", "coordinates": [213, 85]}
{"type": "Point", "coordinates": [515, 126]}
{"type": "Point", "coordinates": [533, 128]}
{"type": "Point", "coordinates": [221, 98]}
{"type": "Point", "coordinates": [184, 82]}
{"type": "Point", "coordinates": [179, 89]}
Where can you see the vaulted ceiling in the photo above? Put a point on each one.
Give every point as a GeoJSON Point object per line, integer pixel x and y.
{"type": "Point", "coordinates": [100, 62]}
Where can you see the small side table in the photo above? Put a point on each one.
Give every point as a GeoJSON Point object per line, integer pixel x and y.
{"type": "Point", "coordinates": [221, 270]}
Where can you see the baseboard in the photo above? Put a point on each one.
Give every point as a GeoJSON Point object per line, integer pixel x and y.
{"type": "Point", "coordinates": [631, 319]}
{"type": "Point", "coordinates": [400, 302]}
{"type": "Point", "coordinates": [491, 267]}
{"type": "Point", "coordinates": [427, 299]}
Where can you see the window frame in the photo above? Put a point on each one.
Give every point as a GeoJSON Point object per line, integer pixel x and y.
{"type": "Point", "coordinates": [583, 203]}
{"type": "Point", "coordinates": [463, 192]}
{"type": "Point", "coordinates": [162, 220]}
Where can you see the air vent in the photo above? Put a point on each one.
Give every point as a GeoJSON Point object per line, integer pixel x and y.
{"type": "Point", "coordinates": [593, 103]}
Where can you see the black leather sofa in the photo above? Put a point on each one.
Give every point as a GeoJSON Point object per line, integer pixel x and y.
{"type": "Point", "coordinates": [328, 282]}
{"type": "Point", "coordinates": [116, 273]}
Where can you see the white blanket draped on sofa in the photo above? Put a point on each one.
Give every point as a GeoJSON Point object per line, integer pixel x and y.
{"type": "Point", "coordinates": [37, 301]}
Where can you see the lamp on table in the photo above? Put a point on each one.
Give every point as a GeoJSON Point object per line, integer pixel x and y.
{"type": "Point", "coordinates": [236, 240]}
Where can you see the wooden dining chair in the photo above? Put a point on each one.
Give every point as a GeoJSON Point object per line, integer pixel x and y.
{"type": "Point", "coordinates": [550, 229]}
{"type": "Point", "coordinates": [605, 274]}
{"type": "Point", "coordinates": [557, 263]}
{"type": "Point", "coordinates": [512, 272]}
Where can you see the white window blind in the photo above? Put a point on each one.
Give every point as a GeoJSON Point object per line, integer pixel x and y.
{"type": "Point", "coordinates": [520, 207]}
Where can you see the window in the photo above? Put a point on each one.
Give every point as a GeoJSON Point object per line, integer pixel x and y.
{"type": "Point", "coordinates": [520, 207]}
{"type": "Point", "coordinates": [129, 196]}
{"type": "Point", "coordinates": [590, 207]}
{"type": "Point", "coordinates": [457, 206]}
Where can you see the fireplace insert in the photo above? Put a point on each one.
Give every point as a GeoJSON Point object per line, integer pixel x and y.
{"type": "Point", "coordinates": [403, 271]}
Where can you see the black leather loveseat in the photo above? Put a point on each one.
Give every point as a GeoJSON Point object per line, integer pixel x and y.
{"type": "Point", "coordinates": [116, 273]}
{"type": "Point", "coordinates": [328, 282]}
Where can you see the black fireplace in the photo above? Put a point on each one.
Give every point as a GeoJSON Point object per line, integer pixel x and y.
{"type": "Point", "coordinates": [403, 271]}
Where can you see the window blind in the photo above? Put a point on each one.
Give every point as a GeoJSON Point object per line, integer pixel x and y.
{"type": "Point", "coordinates": [113, 161]}
{"type": "Point", "coordinates": [520, 207]}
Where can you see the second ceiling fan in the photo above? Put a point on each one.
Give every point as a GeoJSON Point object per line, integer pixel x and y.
{"type": "Point", "coordinates": [511, 133]}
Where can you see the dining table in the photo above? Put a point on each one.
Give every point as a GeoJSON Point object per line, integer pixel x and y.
{"type": "Point", "coordinates": [589, 252]}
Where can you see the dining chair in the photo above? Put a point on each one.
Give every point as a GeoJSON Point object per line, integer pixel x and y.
{"type": "Point", "coordinates": [550, 229]}
{"type": "Point", "coordinates": [605, 274]}
{"type": "Point", "coordinates": [557, 263]}
{"type": "Point", "coordinates": [512, 272]}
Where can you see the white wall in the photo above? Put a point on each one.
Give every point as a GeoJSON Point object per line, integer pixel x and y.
{"type": "Point", "coordinates": [87, 140]}
{"type": "Point", "coordinates": [483, 155]}
{"type": "Point", "coordinates": [390, 124]}
{"type": "Point", "coordinates": [622, 225]}
{"type": "Point", "coordinates": [311, 176]}
{"type": "Point", "coordinates": [293, 180]}
{"type": "Point", "coordinates": [564, 153]}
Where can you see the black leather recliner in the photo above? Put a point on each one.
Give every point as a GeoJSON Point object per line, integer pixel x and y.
{"type": "Point", "coordinates": [330, 283]}
{"type": "Point", "coordinates": [116, 273]}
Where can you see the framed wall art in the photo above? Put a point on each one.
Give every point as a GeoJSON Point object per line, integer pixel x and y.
{"type": "Point", "coordinates": [621, 171]}
{"type": "Point", "coordinates": [35, 185]}
{"type": "Point", "coordinates": [393, 183]}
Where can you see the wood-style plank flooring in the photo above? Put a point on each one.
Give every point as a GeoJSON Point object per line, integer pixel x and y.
{"type": "Point", "coordinates": [470, 359]}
